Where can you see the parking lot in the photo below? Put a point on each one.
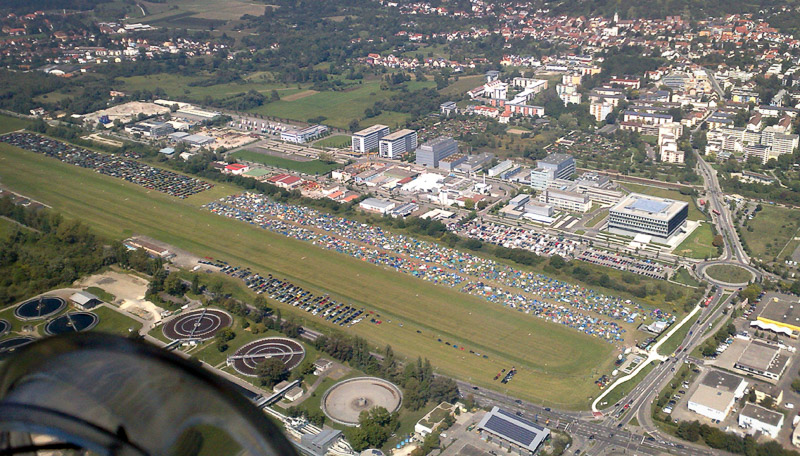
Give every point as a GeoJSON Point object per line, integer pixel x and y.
{"type": "Point", "coordinates": [644, 267]}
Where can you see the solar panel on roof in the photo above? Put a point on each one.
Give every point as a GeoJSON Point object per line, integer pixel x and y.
{"type": "Point", "coordinates": [648, 205]}
{"type": "Point", "coordinates": [521, 420]}
{"type": "Point", "coordinates": [510, 430]}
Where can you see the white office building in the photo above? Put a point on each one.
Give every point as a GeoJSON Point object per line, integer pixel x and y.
{"type": "Point", "coordinates": [368, 138]}
{"type": "Point", "coordinates": [650, 215]}
{"type": "Point", "coordinates": [757, 418]}
{"type": "Point", "coordinates": [716, 395]}
{"type": "Point", "coordinates": [565, 200]}
{"type": "Point", "coordinates": [397, 144]}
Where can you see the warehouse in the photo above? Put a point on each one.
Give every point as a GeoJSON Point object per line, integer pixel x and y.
{"type": "Point", "coordinates": [303, 135]}
{"type": "Point", "coordinates": [716, 395]}
{"type": "Point", "coordinates": [430, 153]}
{"type": "Point", "coordinates": [650, 215]}
{"type": "Point", "coordinates": [367, 139]}
{"type": "Point", "coordinates": [376, 205]}
{"type": "Point", "coordinates": [515, 433]}
{"type": "Point", "coordinates": [760, 419]}
{"type": "Point", "coordinates": [763, 359]}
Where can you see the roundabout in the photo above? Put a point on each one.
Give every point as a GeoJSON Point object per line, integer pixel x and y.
{"type": "Point", "coordinates": [345, 401]}
{"type": "Point", "coordinates": [727, 274]}
{"type": "Point", "coordinates": [199, 324]}
{"type": "Point", "coordinates": [248, 357]}
{"type": "Point", "coordinates": [72, 322]}
{"type": "Point", "coordinates": [38, 308]}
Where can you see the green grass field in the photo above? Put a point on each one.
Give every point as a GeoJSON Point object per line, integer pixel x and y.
{"type": "Point", "coordinates": [694, 212]}
{"type": "Point", "coordinates": [670, 345]}
{"type": "Point", "coordinates": [698, 244]}
{"type": "Point", "coordinates": [683, 276]}
{"type": "Point", "coordinates": [339, 108]}
{"type": "Point", "coordinates": [177, 86]}
{"type": "Point", "coordinates": [556, 365]}
{"type": "Point", "coordinates": [773, 227]}
{"type": "Point", "coordinates": [337, 141]}
{"type": "Point", "coordinates": [102, 294]}
{"type": "Point", "coordinates": [464, 84]}
{"type": "Point", "coordinates": [597, 219]}
{"type": "Point", "coordinates": [114, 322]}
{"type": "Point", "coordinates": [8, 123]}
{"type": "Point", "coordinates": [308, 167]}
{"type": "Point", "coordinates": [728, 273]}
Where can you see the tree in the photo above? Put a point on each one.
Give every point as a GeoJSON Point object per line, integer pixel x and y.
{"type": "Point", "coordinates": [718, 241]}
{"type": "Point", "coordinates": [271, 371]}
{"type": "Point", "coordinates": [751, 292]}
{"type": "Point", "coordinates": [195, 284]}
{"type": "Point", "coordinates": [796, 385]}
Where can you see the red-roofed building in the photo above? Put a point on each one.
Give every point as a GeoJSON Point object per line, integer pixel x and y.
{"type": "Point", "coordinates": [236, 169]}
{"type": "Point", "coordinates": [286, 181]}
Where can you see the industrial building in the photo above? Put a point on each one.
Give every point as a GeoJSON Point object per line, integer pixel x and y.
{"type": "Point", "coordinates": [759, 419]}
{"type": "Point", "coordinates": [397, 144]}
{"type": "Point", "coordinates": [451, 162]}
{"type": "Point", "coordinates": [430, 153]}
{"type": "Point", "coordinates": [763, 359]}
{"type": "Point", "coordinates": [716, 395]}
{"type": "Point", "coordinates": [781, 310]}
{"type": "Point", "coordinates": [376, 205]}
{"type": "Point", "coordinates": [303, 135]}
{"type": "Point", "coordinates": [368, 138]}
{"type": "Point", "coordinates": [562, 164]}
{"type": "Point", "coordinates": [513, 432]}
{"type": "Point", "coordinates": [649, 215]}
{"type": "Point", "coordinates": [318, 444]}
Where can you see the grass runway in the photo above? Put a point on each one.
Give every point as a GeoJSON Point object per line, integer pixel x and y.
{"type": "Point", "coordinates": [556, 365]}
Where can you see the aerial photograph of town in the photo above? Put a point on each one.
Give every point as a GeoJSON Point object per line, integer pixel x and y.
{"type": "Point", "coordinates": [400, 227]}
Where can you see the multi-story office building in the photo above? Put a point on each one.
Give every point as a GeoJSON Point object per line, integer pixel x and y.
{"type": "Point", "coordinates": [396, 144]}
{"type": "Point", "coordinates": [642, 214]}
{"type": "Point", "coordinates": [368, 138]}
{"type": "Point", "coordinates": [436, 149]}
{"type": "Point", "coordinates": [562, 164]}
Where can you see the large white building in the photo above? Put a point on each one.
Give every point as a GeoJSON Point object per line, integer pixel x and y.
{"type": "Point", "coordinates": [758, 418]}
{"type": "Point", "coordinates": [368, 138]}
{"type": "Point", "coordinates": [397, 144]}
{"type": "Point", "coordinates": [650, 215]}
{"type": "Point", "coordinates": [565, 200]}
{"type": "Point", "coordinates": [716, 395]}
{"type": "Point", "coordinates": [436, 149]}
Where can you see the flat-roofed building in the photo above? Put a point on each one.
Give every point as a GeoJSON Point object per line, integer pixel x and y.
{"type": "Point", "coordinates": [764, 420]}
{"type": "Point", "coordinates": [516, 432]}
{"type": "Point", "coordinates": [376, 205]}
{"type": "Point", "coordinates": [562, 164]}
{"type": "Point", "coordinates": [763, 359]}
{"type": "Point", "coordinates": [651, 215]}
{"type": "Point", "coordinates": [782, 310]}
{"type": "Point", "coordinates": [397, 144]}
{"type": "Point", "coordinates": [450, 163]}
{"type": "Point", "coordinates": [436, 149]}
{"type": "Point", "coordinates": [715, 396]}
{"type": "Point", "coordinates": [368, 138]}
{"type": "Point", "coordinates": [565, 200]}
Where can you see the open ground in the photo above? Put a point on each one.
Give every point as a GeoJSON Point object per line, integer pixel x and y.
{"type": "Point", "coordinates": [773, 228]}
{"type": "Point", "coordinates": [698, 244]}
{"type": "Point", "coordinates": [556, 365]}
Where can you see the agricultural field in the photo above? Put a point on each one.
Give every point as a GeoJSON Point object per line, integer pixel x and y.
{"type": "Point", "coordinates": [464, 84]}
{"type": "Point", "coordinates": [556, 365]}
{"type": "Point", "coordinates": [698, 244]}
{"type": "Point", "coordinates": [340, 107]}
{"type": "Point", "coordinates": [770, 231]}
{"type": "Point", "coordinates": [694, 212]}
{"type": "Point", "coordinates": [336, 141]}
{"type": "Point", "coordinates": [12, 124]}
{"type": "Point", "coordinates": [307, 167]}
{"type": "Point", "coordinates": [197, 13]}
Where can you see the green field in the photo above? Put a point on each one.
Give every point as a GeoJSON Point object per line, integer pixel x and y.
{"type": "Point", "coordinates": [307, 167]}
{"type": "Point", "coordinates": [12, 124]}
{"type": "Point", "coordinates": [728, 273]}
{"type": "Point", "coordinates": [773, 227]}
{"type": "Point", "coordinates": [177, 86]}
{"type": "Point", "coordinates": [340, 107]}
{"type": "Point", "coordinates": [670, 345]}
{"type": "Point", "coordinates": [556, 365]}
{"type": "Point", "coordinates": [683, 276]}
{"type": "Point", "coordinates": [698, 244]}
{"type": "Point", "coordinates": [337, 141]}
{"type": "Point", "coordinates": [694, 212]}
{"type": "Point", "coordinates": [102, 294]}
{"type": "Point", "coordinates": [114, 322]}
{"type": "Point", "coordinates": [597, 219]}
{"type": "Point", "coordinates": [464, 84]}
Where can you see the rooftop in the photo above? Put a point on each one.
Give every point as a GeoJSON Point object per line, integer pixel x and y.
{"type": "Point", "coordinates": [722, 381]}
{"type": "Point", "coordinates": [758, 355]}
{"type": "Point", "coordinates": [712, 398]}
{"type": "Point", "coordinates": [649, 206]}
{"type": "Point", "coordinates": [370, 130]}
{"type": "Point", "coordinates": [514, 429]}
{"type": "Point", "coordinates": [555, 159]}
{"type": "Point", "coordinates": [781, 308]}
{"type": "Point", "coordinates": [762, 414]}
{"type": "Point", "coordinates": [398, 134]}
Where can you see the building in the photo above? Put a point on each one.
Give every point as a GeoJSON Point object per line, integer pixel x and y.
{"type": "Point", "coordinates": [500, 168]}
{"type": "Point", "coordinates": [434, 418]}
{"type": "Point", "coordinates": [513, 431]}
{"type": "Point", "coordinates": [650, 215]}
{"type": "Point", "coordinates": [716, 395]}
{"type": "Point", "coordinates": [368, 138]}
{"type": "Point", "coordinates": [451, 162]}
{"type": "Point", "coordinates": [151, 129]}
{"type": "Point", "coordinates": [781, 310]}
{"type": "Point", "coordinates": [376, 205]}
{"type": "Point", "coordinates": [763, 359]}
{"type": "Point", "coordinates": [565, 200]}
{"type": "Point", "coordinates": [397, 144]}
{"type": "Point", "coordinates": [436, 149]}
{"type": "Point", "coordinates": [151, 249]}
{"type": "Point", "coordinates": [563, 165]}
{"type": "Point", "coordinates": [85, 300]}
{"type": "Point", "coordinates": [796, 436]}
{"type": "Point", "coordinates": [318, 444]}
{"type": "Point", "coordinates": [294, 393]}
{"type": "Point", "coordinates": [303, 135]}
{"type": "Point", "coordinates": [236, 169]}
{"type": "Point", "coordinates": [600, 110]}
{"type": "Point", "coordinates": [448, 108]}
{"type": "Point", "coordinates": [758, 418]}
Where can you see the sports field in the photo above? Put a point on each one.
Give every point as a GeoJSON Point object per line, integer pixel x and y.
{"type": "Point", "coordinates": [556, 365]}
{"type": "Point", "coordinates": [698, 244]}
{"type": "Point", "coordinates": [694, 212]}
{"type": "Point", "coordinates": [773, 228]}
{"type": "Point", "coordinates": [308, 167]}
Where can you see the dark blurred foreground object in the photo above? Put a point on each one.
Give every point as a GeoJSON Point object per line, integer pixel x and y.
{"type": "Point", "coordinates": [118, 396]}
